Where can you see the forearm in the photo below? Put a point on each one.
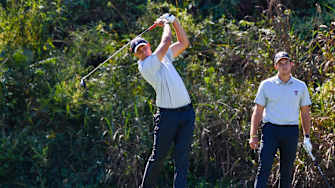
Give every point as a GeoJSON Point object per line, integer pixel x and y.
{"type": "Point", "coordinates": [166, 36]}
{"type": "Point", "coordinates": [255, 122]}
{"type": "Point", "coordinates": [181, 34]}
{"type": "Point", "coordinates": [165, 43]}
{"type": "Point", "coordinates": [256, 119]}
{"type": "Point", "coordinates": [306, 123]}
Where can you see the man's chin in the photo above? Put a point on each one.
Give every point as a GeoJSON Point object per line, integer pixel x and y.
{"type": "Point", "coordinates": [285, 73]}
{"type": "Point", "coordinates": [144, 57]}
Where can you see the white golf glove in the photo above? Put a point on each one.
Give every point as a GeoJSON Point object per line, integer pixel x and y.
{"type": "Point", "coordinates": [307, 144]}
{"type": "Point", "coordinates": [168, 17]}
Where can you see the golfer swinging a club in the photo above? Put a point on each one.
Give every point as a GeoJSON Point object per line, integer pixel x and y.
{"type": "Point", "coordinates": [279, 101]}
{"type": "Point", "coordinates": [174, 120]}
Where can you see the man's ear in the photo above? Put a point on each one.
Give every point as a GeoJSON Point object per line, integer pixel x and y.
{"type": "Point", "coordinates": [136, 55]}
{"type": "Point", "coordinates": [276, 66]}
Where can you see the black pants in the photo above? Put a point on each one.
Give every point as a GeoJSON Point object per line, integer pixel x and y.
{"type": "Point", "coordinates": [273, 137]}
{"type": "Point", "coordinates": [172, 126]}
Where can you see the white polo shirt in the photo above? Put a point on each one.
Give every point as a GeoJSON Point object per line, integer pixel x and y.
{"type": "Point", "coordinates": [282, 101]}
{"type": "Point", "coordinates": [163, 77]}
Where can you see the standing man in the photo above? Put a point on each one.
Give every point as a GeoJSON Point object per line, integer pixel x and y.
{"type": "Point", "coordinates": [279, 101]}
{"type": "Point", "coordinates": [174, 120]}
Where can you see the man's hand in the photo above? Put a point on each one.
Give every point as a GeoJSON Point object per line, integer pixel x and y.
{"type": "Point", "coordinates": [168, 17]}
{"type": "Point", "coordinates": [160, 22]}
{"type": "Point", "coordinates": [253, 142]}
{"type": "Point", "coordinates": [307, 144]}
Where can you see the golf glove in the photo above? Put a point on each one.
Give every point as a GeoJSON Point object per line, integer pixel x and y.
{"type": "Point", "coordinates": [168, 17]}
{"type": "Point", "coordinates": [307, 144]}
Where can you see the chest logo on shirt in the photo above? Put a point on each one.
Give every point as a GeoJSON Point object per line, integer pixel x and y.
{"type": "Point", "coordinates": [296, 92]}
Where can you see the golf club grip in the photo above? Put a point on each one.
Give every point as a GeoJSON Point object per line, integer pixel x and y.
{"type": "Point", "coordinates": [152, 27]}
{"type": "Point", "coordinates": [311, 155]}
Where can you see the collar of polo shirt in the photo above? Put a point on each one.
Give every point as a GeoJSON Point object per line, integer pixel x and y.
{"type": "Point", "coordinates": [279, 81]}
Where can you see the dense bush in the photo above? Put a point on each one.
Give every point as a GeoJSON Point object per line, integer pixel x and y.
{"type": "Point", "coordinates": [55, 134]}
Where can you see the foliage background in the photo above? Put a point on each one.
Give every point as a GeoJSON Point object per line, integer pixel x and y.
{"type": "Point", "coordinates": [55, 134]}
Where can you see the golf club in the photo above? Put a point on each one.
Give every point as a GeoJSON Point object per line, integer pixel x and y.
{"type": "Point", "coordinates": [82, 81]}
{"type": "Point", "coordinates": [318, 167]}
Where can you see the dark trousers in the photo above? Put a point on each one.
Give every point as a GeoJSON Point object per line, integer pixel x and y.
{"type": "Point", "coordinates": [171, 127]}
{"type": "Point", "coordinates": [273, 137]}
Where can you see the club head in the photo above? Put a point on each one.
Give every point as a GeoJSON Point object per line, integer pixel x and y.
{"type": "Point", "coordinates": [82, 83]}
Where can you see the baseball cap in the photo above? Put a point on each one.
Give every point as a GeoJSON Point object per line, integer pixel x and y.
{"type": "Point", "coordinates": [137, 42]}
{"type": "Point", "coordinates": [280, 55]}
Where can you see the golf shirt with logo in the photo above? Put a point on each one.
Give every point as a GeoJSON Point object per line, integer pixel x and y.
{"type": "Point", "coordinates": [163, 77]}
{"type": "Point", "coordinates": [282, 101]}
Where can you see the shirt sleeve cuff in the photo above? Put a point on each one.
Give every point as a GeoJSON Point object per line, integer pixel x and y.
{"type": "Point", "coordinates": [259, 102]}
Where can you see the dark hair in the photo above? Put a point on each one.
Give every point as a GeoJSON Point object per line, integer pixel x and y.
{"type": "Point", "coordinates": [135, 42]}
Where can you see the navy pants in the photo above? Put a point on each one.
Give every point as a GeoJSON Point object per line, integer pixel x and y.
{"type": "Point", "coordinates": [172, 126]}
{"type": "Point", "coordinates": [284, 138]}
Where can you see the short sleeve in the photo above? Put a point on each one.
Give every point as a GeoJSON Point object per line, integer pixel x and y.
{"type": "Point", "coordinates": [150, 65]}
{"type": "Point", "coordinates": [260, 96]}
{"type": "Point", "coordinates": [169, 55]}
{"type": "Point", "coordinates": [305, 99]}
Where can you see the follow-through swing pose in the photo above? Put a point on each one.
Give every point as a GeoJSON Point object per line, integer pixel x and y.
{"type": "Point", "coordinates": [174, 120]}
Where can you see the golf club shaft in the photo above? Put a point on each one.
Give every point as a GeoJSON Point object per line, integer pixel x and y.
{"type": "Point", "coordinates": [318, 167]}
{"type": "Point", "coordinates": [311, 155]}
{"type": "Point", "coordinates": [323, 176]}
{"type": "Point", "coordinates": [96, 68]}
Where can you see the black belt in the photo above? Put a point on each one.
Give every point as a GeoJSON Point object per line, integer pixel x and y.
{"type": "Point", "coordinates": [180, 109]}
{"type": "Point", "coordinates": [276, 125]}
